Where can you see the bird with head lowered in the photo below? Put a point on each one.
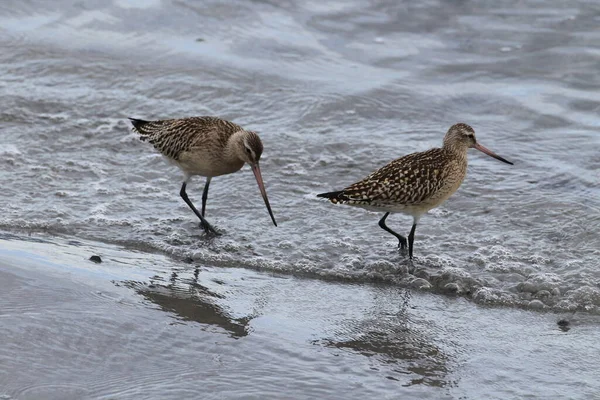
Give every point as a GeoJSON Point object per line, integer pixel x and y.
{"type": "Point", "coordinates": [205, 146]}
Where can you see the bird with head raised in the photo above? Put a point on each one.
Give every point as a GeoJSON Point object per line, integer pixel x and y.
{"type": "Point", "coordinates": [205, 146]}
{"type": "Point", "coordinates": [415, 183]}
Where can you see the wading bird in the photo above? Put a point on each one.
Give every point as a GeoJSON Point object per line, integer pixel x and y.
{"type": "Point", "coordinates": [205, 146]}
{"type": "Point", "coordinates": [415, 183]}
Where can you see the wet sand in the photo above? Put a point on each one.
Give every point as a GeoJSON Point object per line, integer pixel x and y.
{"type": "Point", "coordinates": [142, 325]}
{"type": "Point", "coordinates": [336, 91]}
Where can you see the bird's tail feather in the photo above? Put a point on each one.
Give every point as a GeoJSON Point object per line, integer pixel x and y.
{"type": "Point", "coordinates": [138, 126]}
{"type": "Point", "coordinates": [334, 197]}
{"type": "Point", "coordinates": [330, 195]}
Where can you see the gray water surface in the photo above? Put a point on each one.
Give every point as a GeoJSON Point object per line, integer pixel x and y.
{"type": "Point", "coordinates": [336, 90]}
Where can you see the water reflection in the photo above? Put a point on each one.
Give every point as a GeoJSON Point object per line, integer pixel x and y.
{"type": "Point", "coordinates": [191, 301]}
{"type": "Point", "coordinates": [406, 348]}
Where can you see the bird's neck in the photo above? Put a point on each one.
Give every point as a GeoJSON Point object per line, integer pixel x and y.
{"type": "Point", "coordinates": [457, 150]}
{"type": "Point", "coordinates": [234, 147]}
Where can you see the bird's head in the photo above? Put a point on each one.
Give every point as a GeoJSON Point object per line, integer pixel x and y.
{"type": "Point", "coordinates": [251, 147]}
{"type": "Point", "coordinates": [460, 137]}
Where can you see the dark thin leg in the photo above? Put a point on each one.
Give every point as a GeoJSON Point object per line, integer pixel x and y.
{"type": "Point", "coordinates": [205, 196]}
{"type": "Point", "coordinates": [411, 240]}
{"type": "Point", "coordinates": [401, 239]}
{"type": "Point", "coordinates": [207, 227]}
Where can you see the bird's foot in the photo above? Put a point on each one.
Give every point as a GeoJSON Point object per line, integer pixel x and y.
{"type": "Point", "coordinates": [208, 229]}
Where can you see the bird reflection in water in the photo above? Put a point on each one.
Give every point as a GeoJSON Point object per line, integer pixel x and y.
{"type": "Point", "coordinates": [188, 300]}
{"type": "Point", "coordinates": [406, 348]}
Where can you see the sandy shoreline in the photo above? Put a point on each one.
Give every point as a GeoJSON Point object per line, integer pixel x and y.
{"type": "Point", "coordinates": [142, 325]}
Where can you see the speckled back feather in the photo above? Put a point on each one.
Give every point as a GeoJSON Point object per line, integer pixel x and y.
{"type": "Point", "coordinates": [173, 136]}
{"type": "Point", "coordinates": [412, 180]}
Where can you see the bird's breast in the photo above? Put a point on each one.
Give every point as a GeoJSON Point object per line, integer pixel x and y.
{"type": "Point", "coordinates": [205, 163]}
{"type": "Point", "coordinates": [450, 180]}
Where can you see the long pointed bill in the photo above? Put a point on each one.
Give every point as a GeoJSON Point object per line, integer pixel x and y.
{"type": "Point", "coordinates": [490, 153]}
{"type": "Point", "coordinates": [263, 192]}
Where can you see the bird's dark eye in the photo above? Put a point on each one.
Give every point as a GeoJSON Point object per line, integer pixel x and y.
{"type": "Point", "coordinates": [248, 151]}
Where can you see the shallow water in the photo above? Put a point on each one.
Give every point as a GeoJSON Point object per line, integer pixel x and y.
{"type": "Point", "coordinates": [336, 90]}
{"type": "Point", "coordinates": [142, 325]}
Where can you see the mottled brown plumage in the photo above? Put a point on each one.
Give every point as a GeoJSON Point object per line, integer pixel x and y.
{"type": "Point", "coordinates": [416, 183]}
{"type": "Point", "coordinates": [205, 146]}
